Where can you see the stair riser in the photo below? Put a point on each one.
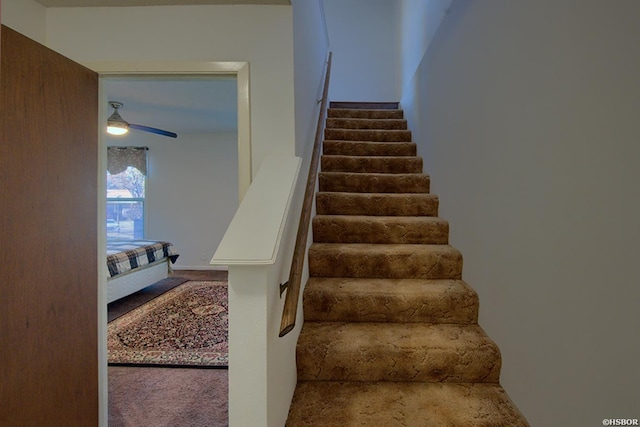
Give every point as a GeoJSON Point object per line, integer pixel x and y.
{"type": "Point", "coordinates": [355, 148]}
{"type": "Point", "coordinates": [368, 135]}
{"type": "Point", "coordinates": [351, 123]}
{"type": "Point", "coordinates": [377, 204]}
{"type": "Point", "coordinates": [406, 352]}
{"type": "Point", "coordinates": [359, 164]}
{"type": "Point", "coordinates": [364, 114]}
{"type": "Point", "coordinates": [344, 229]}
{"type": "Point", "coordinates": [376, 300]}
{"type": "Point", "coordinates": [372, 183]}
{"type": "Point", "coordinates": [365, 105]}
{"type": "Point", "coordinates": [419, 262]}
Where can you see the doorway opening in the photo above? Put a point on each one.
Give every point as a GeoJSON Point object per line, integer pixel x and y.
{"type": "Point", "coordinates": [113, 74]}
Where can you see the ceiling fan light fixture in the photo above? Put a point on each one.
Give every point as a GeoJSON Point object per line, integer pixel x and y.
{"type": "Point", "coordinates": [117, 128]}
{"type": "Point", "coordinates": [116, 124]}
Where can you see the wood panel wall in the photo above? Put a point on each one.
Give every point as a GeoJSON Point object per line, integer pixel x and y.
{"type": "Point", "coordinates": [48, 237]}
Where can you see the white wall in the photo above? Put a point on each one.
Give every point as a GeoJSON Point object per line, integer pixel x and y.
{"type": "Point", "coordinates": [310, 44]}
{"type": "Point", "coordinates": [419, 20]}
{"type": "Point", "coordinates": [192, 191]}
{"type": "Point", "coordinates": [365, 40]}
{"type": "Point", "coordinates": [527, 115]}
{"type": "Point", "coordinates": [26, 17]}
{"type": "Point", "coordinates": [261, 35]}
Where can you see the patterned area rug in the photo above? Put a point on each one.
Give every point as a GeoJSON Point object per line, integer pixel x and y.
{"type": "Point", "coordinates": [186, 326]}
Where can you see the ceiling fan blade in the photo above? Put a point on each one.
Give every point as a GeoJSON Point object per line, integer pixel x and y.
{"type": "Point", "coordinates": [153, 130]}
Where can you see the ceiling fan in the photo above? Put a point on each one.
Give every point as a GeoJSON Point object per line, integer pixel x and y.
{"type": "Point", "coordinates": [116, 125]}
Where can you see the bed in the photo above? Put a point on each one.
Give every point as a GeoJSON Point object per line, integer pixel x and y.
{"type": "Point", "coordinates": [135, 264]}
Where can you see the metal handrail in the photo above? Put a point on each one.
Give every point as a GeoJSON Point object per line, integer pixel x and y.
{"type": "Point", "coordinates": [292, 286]}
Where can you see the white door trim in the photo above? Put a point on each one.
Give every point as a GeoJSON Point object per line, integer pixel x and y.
{"type": "Point", "coordinates": [241, 70]}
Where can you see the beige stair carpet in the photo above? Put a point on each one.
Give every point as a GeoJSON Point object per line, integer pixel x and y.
{"type": "Point", "coordinates": [391, 334]}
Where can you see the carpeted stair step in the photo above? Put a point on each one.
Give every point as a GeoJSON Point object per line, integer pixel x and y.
{"type": "Point", "coordinates": [380, 229]}
{"type": "Point", "coordinates": [368, 148]}
{"type": "Point", "coordinates": [368, 135]}
{"type": "Point", "coordinates": [396, 261]}
{"type": "Point", "coordinates": [373, 183]}
{"type": "Point", "coordinates": [339, 351]}
{"type": "Point", "coordinates": [365, 105]}
{"type": "Point", "coordinates": [357, 123]}
{"type": "Point", "coordinates": [383, 204]}
{"type": "Point", "coordinates": [350, 404]}
{"type": "Point", "coordinates": [358, 113]}
{"type": "Point", "coordinates": [372, 164]}
{"type": "Point", "coordinates": [329, 299]}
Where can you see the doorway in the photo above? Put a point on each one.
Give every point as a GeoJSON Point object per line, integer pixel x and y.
{"type": "Point", "coordinates": [112, 70]}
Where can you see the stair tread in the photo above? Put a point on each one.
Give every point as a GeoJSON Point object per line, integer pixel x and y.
{"type": "Point", "coordinates": [374, 182]}
{"type": "Point", "coordinates": [368, 113]}
{"type": "Point", "coordinates": [385, 135]}
{"type": "Point", "coordinates": [367, 120]}
{"type": "Point", "coordinates": [385, 247]}
{"type": "Point", "coordinates": [377, 174]}
{"type": "Point", "coordinates": [388, 351]}
{"type": "Point", "coordinates": [390, 300]}
{"type": "Point", "coordinates": [384, 218]}
{"type": "Point", "coordinates": [369, 148]}
{"type": "Point", "coordinates": [350, 404]}
{"type": "Point", "coordinates": [380, 229]}
{"type": "Point", "coordinates": [371, 164]}
{"type": "Point", "coordinates": [393, 261]}
{"type": "Point", "coordinates": [355, 105]}
{"type": "Point", "coordinates": [375, 158]}
{"type": "Point", "coordinates": [397, 204]}
{"type": "Point", "coordinates": [365, 123]}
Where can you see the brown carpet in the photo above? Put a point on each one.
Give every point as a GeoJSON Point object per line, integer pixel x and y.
{"type": "Point", "coordinates": [186, 326]}
{"type": "Point", "coordinates": [390, 336]}
{"type": "Point", "coordinates": [168, 397]}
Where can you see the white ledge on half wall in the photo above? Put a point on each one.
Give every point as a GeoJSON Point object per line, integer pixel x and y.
{"type": "Point", "coordinates": [254, 235]}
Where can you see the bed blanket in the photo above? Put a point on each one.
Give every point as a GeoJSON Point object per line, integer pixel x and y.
{"type": "Point", "coordinates": [126, 255]}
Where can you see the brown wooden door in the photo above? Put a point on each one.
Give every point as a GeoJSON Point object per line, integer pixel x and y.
{"type": "Point", "coordinates": [48, 237]}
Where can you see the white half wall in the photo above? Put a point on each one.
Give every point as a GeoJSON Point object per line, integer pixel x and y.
{"type": "Point", "coordinates": [259, 35]}
{"type": "Point", "coordinates": [527, 116]}
{"type": "Point", "coordinates": [365, 39]}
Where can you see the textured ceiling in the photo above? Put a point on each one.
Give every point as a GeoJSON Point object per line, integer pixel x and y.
{"type": "Point", "coordinates": [120, 3]}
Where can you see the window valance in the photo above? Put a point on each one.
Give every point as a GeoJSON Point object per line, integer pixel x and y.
{"type": "Point", "coordinates": [120, 158]}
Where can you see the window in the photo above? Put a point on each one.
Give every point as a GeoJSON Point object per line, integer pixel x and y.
{"type": "Point", "coordinates": [126, 181]}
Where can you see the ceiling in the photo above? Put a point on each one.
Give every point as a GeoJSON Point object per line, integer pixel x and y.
{"type": "Point", "coordinates": [181, 104]}
{"type": "Point", "coordinates": [178, 104]}
{"type": "Point", "coordinates": [121, 3]}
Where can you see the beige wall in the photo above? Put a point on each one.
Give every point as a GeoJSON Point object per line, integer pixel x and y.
{"type": "Point", "coordinates": [527, 115]}
{"type": "Point", "coordinates": [191, 193]}
{"type": "Point", "coordinates": [365, 39]}
{"type": "Point", "coordinates": [260, 35]}
{"type": "Point", "coordinates": [26, 17]}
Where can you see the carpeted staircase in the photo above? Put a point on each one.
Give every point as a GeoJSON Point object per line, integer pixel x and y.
{"type": "Point", "coordinates": [390, 335]}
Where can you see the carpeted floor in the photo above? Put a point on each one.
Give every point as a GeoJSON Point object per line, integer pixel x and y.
{"type": "Point", "coordinates": [163, 397]}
